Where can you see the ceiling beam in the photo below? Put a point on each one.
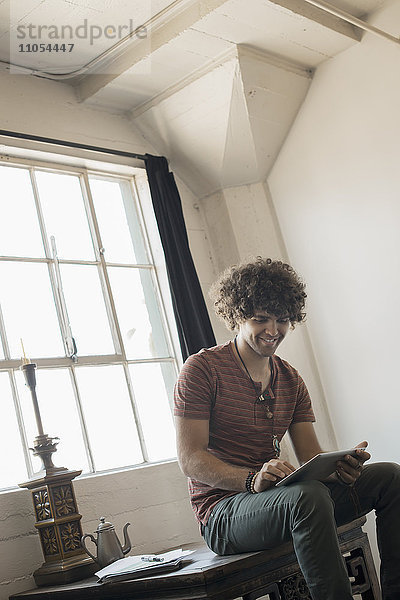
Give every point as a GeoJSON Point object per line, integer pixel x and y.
{"type": "Point", "coordinates": [301, 7]}
{"type": "Point", "coordinates": [161, 29]}
{"type": "Point", "coordinates": [177, 18]}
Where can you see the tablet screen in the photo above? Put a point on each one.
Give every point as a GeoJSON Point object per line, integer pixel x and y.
{"type": "Point", "coordinates": [318, 468]}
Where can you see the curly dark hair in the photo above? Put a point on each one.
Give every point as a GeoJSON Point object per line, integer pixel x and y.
{"type": "Point", "coordinates": [263, 284]}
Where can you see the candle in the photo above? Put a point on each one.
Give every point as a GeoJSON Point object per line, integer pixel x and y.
{"type": "Point", "coordinates": [29, 368]}
{"type": "Point", "coordinates": [25, 361]}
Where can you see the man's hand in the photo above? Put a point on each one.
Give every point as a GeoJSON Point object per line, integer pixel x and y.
{"type": "Point", "coordinates": [271, 472]}
{"type": "Point", "coordinates": [349, 469]}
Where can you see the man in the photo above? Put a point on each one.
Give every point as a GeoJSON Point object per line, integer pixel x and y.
{"type": "Point", "coordinates": [234, 403]}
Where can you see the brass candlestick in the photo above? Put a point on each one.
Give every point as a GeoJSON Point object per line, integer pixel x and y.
{"type": "Point", "coordinates": [43, 445]}
{"type": "Point", "coordinates": [56, 509]}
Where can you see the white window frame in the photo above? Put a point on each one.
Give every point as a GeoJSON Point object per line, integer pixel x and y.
{"type": "Point", "coordinates": [136, 177]}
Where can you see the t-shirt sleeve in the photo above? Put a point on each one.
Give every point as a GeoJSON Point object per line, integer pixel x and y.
{"type": "Point", "coordinates": [303, 410]}
{"type": "Point", "coordinates": [194, 390]}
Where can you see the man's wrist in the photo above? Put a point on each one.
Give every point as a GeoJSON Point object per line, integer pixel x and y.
{"type": "Point", "coordinates": [250, 482]}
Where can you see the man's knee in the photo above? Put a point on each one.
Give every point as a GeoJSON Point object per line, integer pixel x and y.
{"type": "Point", "coordinates": [311, 497]}
{"type": "Point", "coordinates": [311, 490]}
{"type": "Point", "coordinates": [385, 472]}
{"type": "Point", "coordinates": [382, 482]}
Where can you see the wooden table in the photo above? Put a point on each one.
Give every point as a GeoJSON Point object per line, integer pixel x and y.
{"type": "Point", "coordinates": [208, 576]}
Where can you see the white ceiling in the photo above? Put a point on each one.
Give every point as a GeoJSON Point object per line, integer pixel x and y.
{"type": "Point", "coordinates": [52, 15]}
{"type": "Point", "coordinates": [189, 40]}
{"type": "Point", "coordinates": [187, 81]}
{"type": "Point", "coordinates": [198, 32]}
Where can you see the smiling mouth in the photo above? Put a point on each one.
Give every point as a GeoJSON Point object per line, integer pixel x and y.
{"type": "Point", "coordinates": [269, 340]}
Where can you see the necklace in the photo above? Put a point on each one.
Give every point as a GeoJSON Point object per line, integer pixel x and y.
{"type": "Point", "coordinates": [261, 398]}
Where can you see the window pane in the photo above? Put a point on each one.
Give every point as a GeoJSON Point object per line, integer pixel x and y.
{"type": "Point", "coordinates": [12, 463]}
{"type": "Point", "coordinates": [109, 417]}
{"type": "Point", "coordinates": [64, 214]}
{"type": "Point", "coordinates": [59, 416]}
{"type": "Point", "coordinates": [19, 225]}
{"type": "Point", "coordinates": [120, 231]}
{"type": "Point", "coordinates": [28, 310]}
{"type": "Point", "coordinates": [153, 385]}
{"type": "Point", "coordinates": [138, 313]}
{"type": "Point", "coordinates": [86, 309]}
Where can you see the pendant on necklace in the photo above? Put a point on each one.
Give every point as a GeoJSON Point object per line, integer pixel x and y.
{"type": "Point", "coordinates": [269, 413]}
{"type": "Point", "coordinates": [276, 446]}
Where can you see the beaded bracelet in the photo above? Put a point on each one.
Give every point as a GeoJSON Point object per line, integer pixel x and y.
{"type": "Point", "coordinates": [249, 481]}
{"type": "Point", "coordinates": [252, 483]}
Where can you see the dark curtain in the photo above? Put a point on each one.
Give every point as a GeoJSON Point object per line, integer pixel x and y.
{"type": "Point", "coordinates": [193, 323]}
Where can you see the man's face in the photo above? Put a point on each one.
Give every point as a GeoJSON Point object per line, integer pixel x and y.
{"type": "Point", "coordinates": [264, 332]}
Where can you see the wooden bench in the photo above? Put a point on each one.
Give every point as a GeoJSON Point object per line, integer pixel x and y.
{"type": "Point", "coordinates": [248, 576]}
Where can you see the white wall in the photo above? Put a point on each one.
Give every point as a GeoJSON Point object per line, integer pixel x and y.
{"type": "Point", "coordinates": [336, 190]}
{"type": "Point", "coordinates": [335, 187]}
{"type": "Point", "coordinates": [47, 108]}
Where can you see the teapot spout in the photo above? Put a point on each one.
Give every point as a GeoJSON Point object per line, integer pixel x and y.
{"type": "Point", "coordinates": [127, 542]}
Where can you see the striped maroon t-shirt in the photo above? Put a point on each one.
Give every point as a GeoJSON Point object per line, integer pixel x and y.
{"type": "Point", "coordinates": [212, 385]}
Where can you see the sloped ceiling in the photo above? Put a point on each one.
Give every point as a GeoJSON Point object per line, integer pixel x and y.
{"type": "Point", "coordinates": [225, 128]}
{"type": "Point", "coordinates": [214, 84]}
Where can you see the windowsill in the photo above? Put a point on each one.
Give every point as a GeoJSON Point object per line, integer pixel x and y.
{"type": "Point", "coordinates": [88, 476]}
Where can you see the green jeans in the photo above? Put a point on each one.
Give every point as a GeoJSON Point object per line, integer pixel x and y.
{"type": "Point", "coordinates": [308, 514]}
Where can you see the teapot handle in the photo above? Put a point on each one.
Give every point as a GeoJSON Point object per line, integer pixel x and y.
{"type": "Point", "coordinates": [83, 544]}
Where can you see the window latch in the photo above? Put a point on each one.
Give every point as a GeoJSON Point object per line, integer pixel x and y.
{"type": "Point", "coordinates": [69, 340]}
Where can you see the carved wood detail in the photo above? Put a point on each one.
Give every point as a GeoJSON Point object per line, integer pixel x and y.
{"type": "Point", "coordinates": [63, 500]}
{"type": "Point", "coordinates": [70, 534]}
{"type": "Point", "coordinates": [49, 541]}
{"type": "Point", "coordinates": [294, 588]}
{"type": "Point", "coordinates": [42, 506]}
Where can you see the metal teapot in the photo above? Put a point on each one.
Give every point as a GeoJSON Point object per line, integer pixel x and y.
{"type": "Point", "coordinates": [108, 545]}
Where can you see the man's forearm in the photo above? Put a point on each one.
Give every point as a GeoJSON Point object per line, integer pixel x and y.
{"type": "Point", "coordinates": [207, 468]}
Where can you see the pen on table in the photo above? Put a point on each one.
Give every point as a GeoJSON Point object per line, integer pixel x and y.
{"type": "Point", "coordinates": [152, 558]}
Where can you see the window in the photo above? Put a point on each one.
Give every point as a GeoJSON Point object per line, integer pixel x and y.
{"type": "Point", "coordinates": [79, 287]}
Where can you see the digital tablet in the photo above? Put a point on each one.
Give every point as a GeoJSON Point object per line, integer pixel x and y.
{"type": "Point", "coordinates": [318, 468]}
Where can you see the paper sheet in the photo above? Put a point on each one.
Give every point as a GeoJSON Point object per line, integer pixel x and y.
{"type": "Point", "coordinates": [133, 564]}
